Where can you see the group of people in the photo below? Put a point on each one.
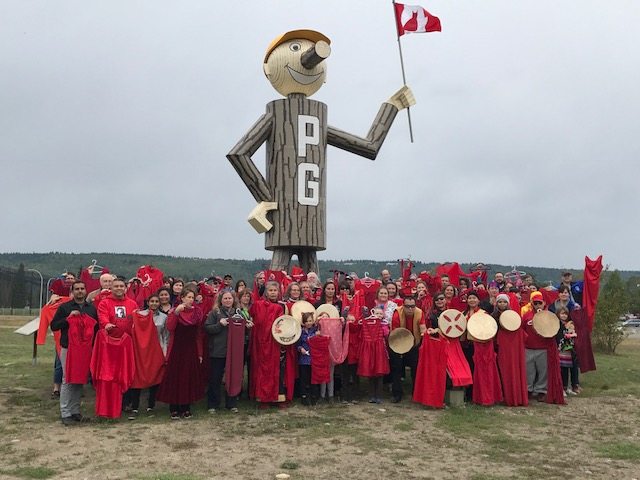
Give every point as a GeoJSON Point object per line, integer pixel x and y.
{"type": "Point", "coordinates": [185, 341]}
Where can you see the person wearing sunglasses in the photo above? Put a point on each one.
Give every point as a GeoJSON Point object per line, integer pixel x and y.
{"type": "Point", "coordinates": [439, 306]}
{"type": "Point", "coordinates": [412, 318]}
{"type": "Point", "coordinates": [536, 348]}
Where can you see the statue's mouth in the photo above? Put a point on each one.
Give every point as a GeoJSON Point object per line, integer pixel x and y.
{"type": "Point", "coordinates": [302, 78]}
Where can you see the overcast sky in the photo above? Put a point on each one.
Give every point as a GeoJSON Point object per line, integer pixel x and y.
{"type": "Point", "coordinates": [115, 118]}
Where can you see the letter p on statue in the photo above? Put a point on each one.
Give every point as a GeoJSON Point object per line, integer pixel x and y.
{"type": "Point", "coordinates": [291, 209]}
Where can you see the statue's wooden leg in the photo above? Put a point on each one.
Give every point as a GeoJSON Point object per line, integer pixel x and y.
{"type": "Point", "coordinates": [281, 259]}
{"type": "Point", "coordinates": [308, 260]}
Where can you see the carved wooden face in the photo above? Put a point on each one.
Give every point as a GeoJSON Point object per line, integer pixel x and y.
{"type": "Point", "coordinates": [284, 69]}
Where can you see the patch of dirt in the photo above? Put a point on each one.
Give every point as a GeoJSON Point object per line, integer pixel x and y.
{"type": "Point", "coordinates": [355, 441]}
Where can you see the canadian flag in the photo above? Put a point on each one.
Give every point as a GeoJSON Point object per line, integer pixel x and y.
{"type": "Point", "coordinates": [415, 19]}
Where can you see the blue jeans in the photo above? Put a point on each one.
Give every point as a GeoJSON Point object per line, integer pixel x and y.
{"type": "Point", "coordinates": [57, 370]}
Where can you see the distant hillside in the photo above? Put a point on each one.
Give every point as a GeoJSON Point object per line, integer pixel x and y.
{"type": "Point", "coordinates": [52, 264]}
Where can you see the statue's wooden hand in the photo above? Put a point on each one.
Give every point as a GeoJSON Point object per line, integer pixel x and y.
{"type": "Point", "coordinates": [403, 98]}
{"type": "Point", "coordinates": [258, 216]}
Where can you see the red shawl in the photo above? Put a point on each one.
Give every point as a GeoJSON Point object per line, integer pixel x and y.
{"type": "Point", "coordinates": [151, 278]}
{"type": "Point", "coordinates": [148, 353]}
{"type": "Point", "coordinates": [584, 350]}
{"type": "Point", "coordinates": [339, 345]}
{"type": "Point", "coordinates": [486, 381]}
{"type": "Point", "coordinates": [234, 366]}
{"type": "Point", "coordinates": [592, 271]}
{"type": "Point", "coordinates": [431, 375]}
{"type": "Point", "coordinates": [457, 365]}
{"type": "Point", "coordinates": [112, 370]}
{"type": "Point", "coordinates": [320, 361]}
{"type": "Point", "coordinates": [555, 392]}
{"type": "Point", "coordinates": [354, 342]}
{"type": "Point", "coordinates": [512, 367]}
{"type": "Point", "coordinates": [46, 315]}
{"type": "Point", "coordinates": [80, 334]}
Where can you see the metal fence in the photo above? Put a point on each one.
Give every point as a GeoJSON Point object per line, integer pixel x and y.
{"type": "Point", "coordinates": [27, 311]}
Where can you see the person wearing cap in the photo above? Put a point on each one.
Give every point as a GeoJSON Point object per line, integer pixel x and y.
{"type": "Point", "coordinates": [575, 288]}
{"type": "Point", "coordinates": [535, 350]}
{"type": "Point", "coordinates": [227, 283]}
{"type": "Point", "coordinates": [296, 132]}
{"type": "Point", "coordinates": [407, 316]}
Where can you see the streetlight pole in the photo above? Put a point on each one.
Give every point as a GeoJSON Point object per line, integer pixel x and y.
{"type": "Point", "coordinates": [35, 334]}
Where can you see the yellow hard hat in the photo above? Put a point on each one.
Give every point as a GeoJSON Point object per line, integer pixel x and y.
{"type": "Point", "coordinates": [311, 35]}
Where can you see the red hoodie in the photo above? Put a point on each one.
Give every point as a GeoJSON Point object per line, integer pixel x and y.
{"type": "Point", "coordinates": [117, 312]}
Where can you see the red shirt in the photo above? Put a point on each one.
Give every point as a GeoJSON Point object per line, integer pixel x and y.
{"type": "Point", "coordinates": [533, 340]}
{"type": "Point", "coordinates": [118, 312]}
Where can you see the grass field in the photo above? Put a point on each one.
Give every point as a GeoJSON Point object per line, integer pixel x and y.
{"type": "Point", "coordinates": [597, 435]}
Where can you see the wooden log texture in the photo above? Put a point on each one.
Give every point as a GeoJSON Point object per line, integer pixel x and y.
{"type": "Point", "coordinates": [240, 158]}
{"type": "Point", "coordinates": [370, 146]}
{"type": "Point", "coordinates": [296, 224]}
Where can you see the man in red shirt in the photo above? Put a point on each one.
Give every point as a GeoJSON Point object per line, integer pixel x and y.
{"type": "Point", "coordinates": [114, 311]}
{"type": "Point", "coordinates": [412, 318]}
{"type": "Point", "coordinates": [115, 317]}
{"type": "Point", "coordinates": [535, 350]}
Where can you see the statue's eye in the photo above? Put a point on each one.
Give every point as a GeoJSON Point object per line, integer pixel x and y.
{"type": "Point", "coordinates": [295, 47]}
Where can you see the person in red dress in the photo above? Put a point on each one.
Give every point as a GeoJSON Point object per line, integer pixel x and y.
{"type": "Point", "coordinates": [273, 366]}
{"type": "Point", "coordinates": [149, 334]}
{"type": "Point", "coordinates": [115, 317]}
{"type": "Point", "coordinates": [511, 360]}
{"type": "Point", "coordinates": [183, 383]}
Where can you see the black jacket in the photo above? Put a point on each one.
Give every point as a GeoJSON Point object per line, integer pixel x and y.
{"type": "Point", "coordinates": [59, 321]}
{"type": "Point", "coordinates": [217, 333]}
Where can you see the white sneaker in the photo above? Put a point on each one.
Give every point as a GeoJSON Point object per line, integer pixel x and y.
{"type": "Point", "coordinates": [571, 392]}
{"type": "Point", "coordinates": [212, 411]}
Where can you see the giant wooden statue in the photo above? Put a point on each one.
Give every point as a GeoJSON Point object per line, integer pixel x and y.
{"type": "Point", "coordinates": [291, 209]}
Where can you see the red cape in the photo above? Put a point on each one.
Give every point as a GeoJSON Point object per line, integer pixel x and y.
{"type": "Point", "coordinates": [265, 355]}
{"type": "Point", "coordinates": [486, 381]}
{"type": "Point", "coordinates": [584, 350]}
{"type": "Point", "coordinates": [320, 361]}
{"type": "Point", "coordinates": [354, 342]}
{"type": "Point", "coordinates": [592, 271]}
{"type": "Point", "coordinates": [555, 392]}
{"type": "Point", "coordinates": [512, 367]}
{"type": "Point", "coordinates": [112, 371]}
{"type": "Point", "coordinates": [431, 375]}
{"type": "Point", "coordinates": [46, 315]}
{"type": "Point", "coordinates": [148, 353]}
{"type": "Point", "coordinates": [80, 335]}
{"type": "Point", "coordinates": [234, 366]}
{"type": "Point", "coordinates": [457, 365]}
{"type": "Point", "coordinates": [151, 278]}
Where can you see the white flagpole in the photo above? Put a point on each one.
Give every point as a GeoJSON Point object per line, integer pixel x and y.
{"type": "Point", "coordinates": [404, 79]}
